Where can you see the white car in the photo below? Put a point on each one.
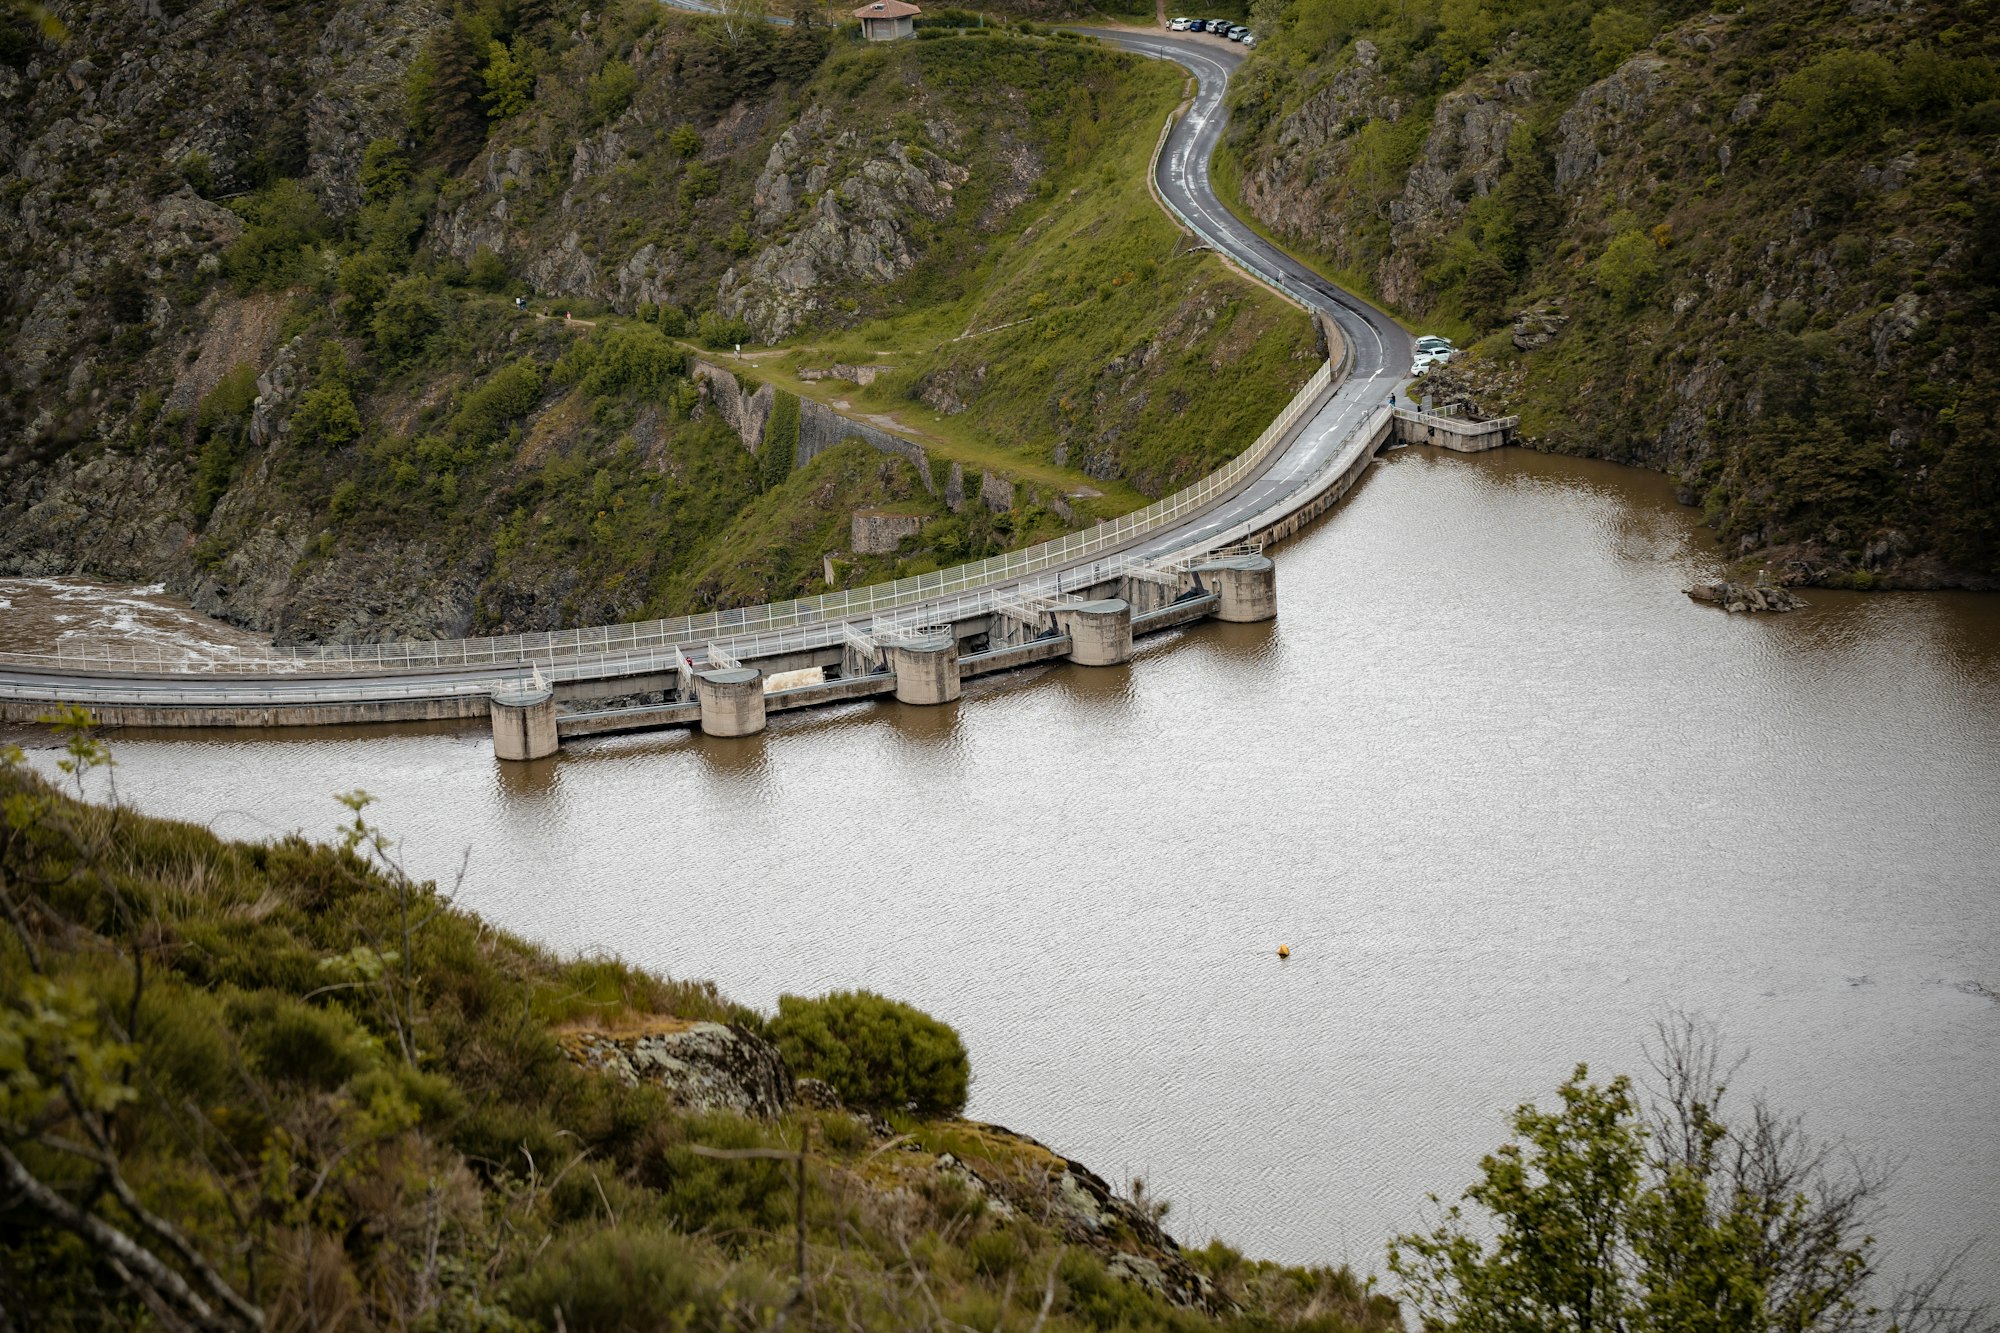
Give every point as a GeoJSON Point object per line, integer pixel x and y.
{"type": "Point", "coordinates": [1433, 345]}
{"type": "Point", "coordinates": [1179, 25]}
{"type": "Point", "coordinates": [1425, 360]}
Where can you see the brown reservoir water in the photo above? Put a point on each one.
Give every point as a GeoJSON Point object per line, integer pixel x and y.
{"type": "Point", "coordinates": [1505, 792]}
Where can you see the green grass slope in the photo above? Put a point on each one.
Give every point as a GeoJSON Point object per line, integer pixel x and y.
{"type": "Point", "coordinates": [278, 1085]}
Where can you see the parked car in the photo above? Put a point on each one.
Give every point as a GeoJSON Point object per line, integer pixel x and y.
{"type": "Point", "coordinates": [1180, 25]}
{"type": "Point", "coordinates": [1433, 344]}
{"type": "Point", "coordinates": [1218, 26]}
{"type": "Point", "coordinates": [1238, 33]}
{"type": "Point", "coordinates": [1251, 40]}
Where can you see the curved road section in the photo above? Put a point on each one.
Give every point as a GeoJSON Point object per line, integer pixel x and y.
{"type": "Point", "coordinates": [1321, 447]}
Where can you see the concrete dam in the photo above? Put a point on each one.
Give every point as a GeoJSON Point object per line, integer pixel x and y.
{"type": "Point", "coordinates": [1083, 598]}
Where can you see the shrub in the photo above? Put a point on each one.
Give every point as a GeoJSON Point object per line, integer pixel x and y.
{"type": "Point", "coordinates": [878, 1054]}
{"type": "Point", "coordinates": [719, 331]}
{"type": "Point", "coordinates": [284, 220]}
{"type": "Point", "coordinates": [385, 171]}
{"type": "Point", "coordinates": [612, 361]}
{"type": "Point", "coordinates": [1628, 270]}
{"type": "Point", "coordinates": [487, 271]}
{"type": "Point", "coordinates": [510, 393]}
{"type": "Point", "coordinates": [781, 439]}
{"type": "Point", "coordinates": [509, 77]}
{"type": "Point", "coordinates": [632, 1279]}
{"type": "Point", "coordinates": [611, 90]}
{"type": "Point", "coordinates": [1840, 96]}
{"type": "Point", "coordinates": [198, 170]}
{"type": "Point", "coordinates": [1614, 35]}
{"type": "Point", "coordinates": [409, 314]}
{"type": "Point", "coordinates": [326, 417]}
{"type": "Point", "coordinates": [230, 400]}
{"type": "Point", "coordinates": [290, 1040]}
{"type": "Point", "coordinates": [735, 1199]}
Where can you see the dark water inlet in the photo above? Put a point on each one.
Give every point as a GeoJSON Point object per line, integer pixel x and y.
{"type": "Point", "coordinates": [1504, 791]}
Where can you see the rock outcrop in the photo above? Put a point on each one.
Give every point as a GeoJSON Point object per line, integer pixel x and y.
{"type": "Point", "coordinates": [704, 1066]}
{"type": "Point", "coordinates": [1746, 596]}
{"type": "Point", "coordinates": [856, 228]}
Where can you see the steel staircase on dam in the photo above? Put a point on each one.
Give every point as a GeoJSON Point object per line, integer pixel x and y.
{"type": "Point", "coordinates": [1083, 597]}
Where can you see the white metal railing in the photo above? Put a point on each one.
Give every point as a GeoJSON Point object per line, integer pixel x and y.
{"type": "Point", "coordinates": [555, 649]}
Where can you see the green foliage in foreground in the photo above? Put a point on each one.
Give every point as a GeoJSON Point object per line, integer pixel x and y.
{"type": "Point", "coordinates": [1610, 1215]}
{"type": "Point", "coordinates": [289, 1088]}
{"type": "Point", "coordinates": [878, 1054]}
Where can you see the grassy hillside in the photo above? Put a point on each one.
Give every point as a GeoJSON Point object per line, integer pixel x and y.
{"type": "Point", "coordinates": [413, 359]}
{"type": "Point", "coordinates": [1085, 336]}
{"type": "Point", "coordinates": [1752, 247]}
{"type": "Point", "coordinates": [278, 1082]}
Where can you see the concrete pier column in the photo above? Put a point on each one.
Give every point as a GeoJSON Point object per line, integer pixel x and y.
{"type": "Point", "coordinates": [1247, 586]}
{"type": "Point", "coordinates": [926, 669]}
{"type": "Point", "coordinates": [732, 701]}
{"type": "Point", "coordinates": [524, 723]}
{"type": "Point", "coordinates": [1100, 633]}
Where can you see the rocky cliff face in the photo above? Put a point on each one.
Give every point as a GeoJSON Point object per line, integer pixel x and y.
{"type": "Point", "coordinates": [191, 225]}
{"type": "Point", "coordinates": [842, 231]}
{"type": "Point", "coordinates": [1747, 258]}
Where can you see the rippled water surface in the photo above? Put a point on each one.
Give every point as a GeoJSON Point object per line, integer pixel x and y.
{"type": "Point", "coordinates": [1503, 790]}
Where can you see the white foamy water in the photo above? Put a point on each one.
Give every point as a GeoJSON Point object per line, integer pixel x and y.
{"type": "Point", "coordinates": [66, 618]}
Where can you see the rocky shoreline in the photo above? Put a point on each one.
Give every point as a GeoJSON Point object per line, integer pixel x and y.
{"type": "Point", "coordinates": [717, 1067]}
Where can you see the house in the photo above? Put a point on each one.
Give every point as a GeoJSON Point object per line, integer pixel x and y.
{"type": "Point", "coordinates": [886, 20]}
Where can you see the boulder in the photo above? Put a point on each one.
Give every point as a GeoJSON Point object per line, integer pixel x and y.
{"type": "Point", "coordinates": [703, 1066]}
{"type": "Point", "coordinates": [1746, 596]}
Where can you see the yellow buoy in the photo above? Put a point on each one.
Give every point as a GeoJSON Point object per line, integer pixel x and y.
{"type": "Point", "coordinates": [1284, 951]}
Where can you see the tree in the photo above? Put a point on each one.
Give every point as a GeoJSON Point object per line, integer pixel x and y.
{"type": "Point", "coordinates": [510, 79]}
{"type": "Point", "coordinates": [446, 97]}
{"type": "Point", "coordinates": [611, 90]}
{"type": "Point", "coordinates": [326, 417]}
{"type": "Point", "coordinates": [1629, 269]}
{"type": "Point", "coordinates": [1608, 1220]}
{"type": "Point", "coordinates": [1614, 35]}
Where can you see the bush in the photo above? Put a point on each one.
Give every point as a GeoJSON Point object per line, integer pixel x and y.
{"type": "Point", "coordinates": [632, 1280]}
{"type": "Point", "coordinates": [719, 331]}
{"type": "Point", "coordinates": [1628, 270]}
{"type": "Point", "coordinates": [637, 361]}
{"type": "Point", "coordinates": [326, 417]}
{"type": "Point", "coordinates": [1839, 97]}
{"type": "Point", "coordinates": [611, 90]}
{"type": "Point", "coordinates": [284, 220]}
{"type": "Point", "coordinates": [409, 314]}
{"type": "Point", "coordinates": [511, 392]}
{"type": "Point", "coordinates": [487, 271]}
{"type": "Point", "coordinates": [229, 401]}
{"type": "Point", "coordinates": [290, 1040]}
{"type": "Point", "coordinates": [198, 170]}
{"type": "Point", "coordinates": [878, 1054]}
{"type": "Point", "coordinates": [385, 171]}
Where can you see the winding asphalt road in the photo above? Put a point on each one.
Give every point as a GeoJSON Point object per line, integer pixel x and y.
{"type": "Point", "coordinates": [1380, 352]}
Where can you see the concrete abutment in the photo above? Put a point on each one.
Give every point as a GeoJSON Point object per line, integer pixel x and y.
{"type": "Point", "coordinates": [1246, 587]}
{"type": "Point", "coordinates": [1100, 633]}
{"type": "Point", "coordinates": [524, 723]}
{"type": "Point", "coordinates": [732, 701]}
{"type": "Point", "coordinates": [926, 669]}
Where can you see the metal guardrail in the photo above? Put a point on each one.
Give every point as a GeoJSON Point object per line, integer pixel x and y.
{"type": "Point", "coordinates": [609, 651]}
{"type": "Point", "coordinates": [556, 650]}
